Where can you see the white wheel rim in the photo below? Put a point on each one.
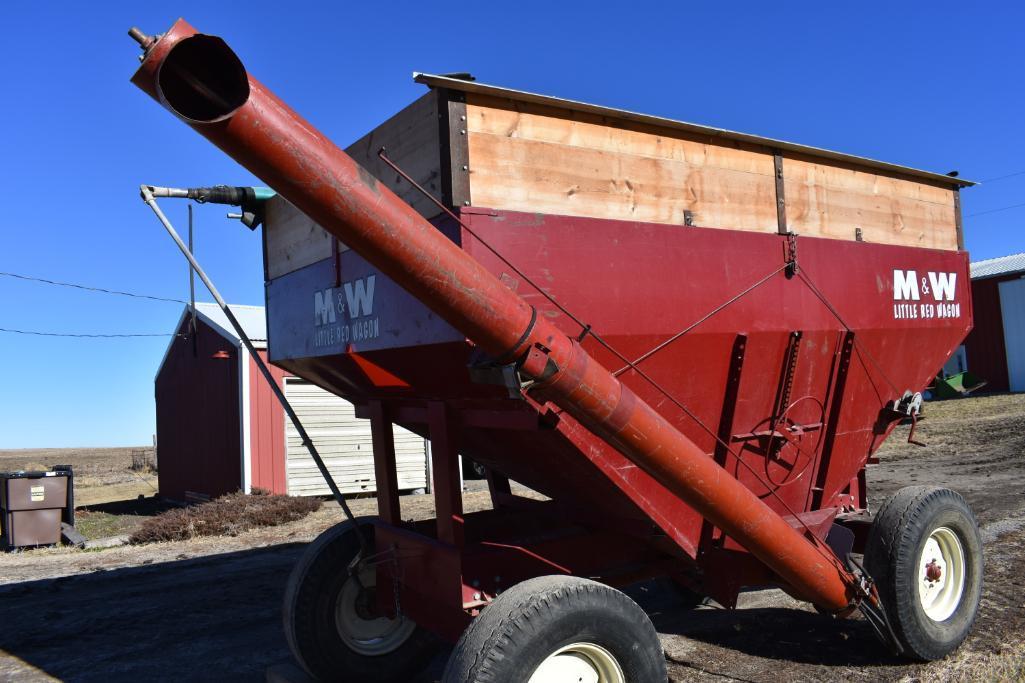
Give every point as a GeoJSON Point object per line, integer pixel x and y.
{"type": "Point", "coordinates": [370, 637]}
{"type": "Point", "coordinates": [579, 663]}
{"type": "Point", "coordinates": [941, 574]}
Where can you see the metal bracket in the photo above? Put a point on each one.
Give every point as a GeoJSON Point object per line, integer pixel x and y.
{"type": "Point", "coordinates": [781, 200]}
{"type": "Point", "coordinates": [909, 406]}
{"type": "Point", "coordinates": [790, 252]}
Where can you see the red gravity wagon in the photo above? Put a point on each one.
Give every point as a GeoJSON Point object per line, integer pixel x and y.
{"type": "Point", "coordinates": [690, 341]}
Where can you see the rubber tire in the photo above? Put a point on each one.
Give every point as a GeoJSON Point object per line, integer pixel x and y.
{"type": "Point", "coordinates": [308, 614]}
{"type": "Point", "coordinates": [533, 619]}
{"type": "Point", "coordinates": [895, 542]}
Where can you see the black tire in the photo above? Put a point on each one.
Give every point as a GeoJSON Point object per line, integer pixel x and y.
{"type": "Point", "coordinates": [535, 618]}
{"type": "Point", "coordinates": [311, 627]}
{"type": "Point", "coordinates": [896, 541]}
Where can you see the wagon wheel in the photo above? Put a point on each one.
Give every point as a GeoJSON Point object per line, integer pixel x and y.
{"type": "Point", "coordinates": [925, 555]}
{"type": "Point", "coordinates": [330, 623]}
{"type": "Point", "coordinates": [554, 629]}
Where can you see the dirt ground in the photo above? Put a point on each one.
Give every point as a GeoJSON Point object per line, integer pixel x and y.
{"type": "Point", "coordinates": [209, 608]}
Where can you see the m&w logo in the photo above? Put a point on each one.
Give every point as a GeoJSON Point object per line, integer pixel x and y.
{"type": "Point", "coordinates": [908, 287]}
{"type": "Point", "coordinates": [356, 297]}
{"type": "Point", "coordinates": [941, 288]}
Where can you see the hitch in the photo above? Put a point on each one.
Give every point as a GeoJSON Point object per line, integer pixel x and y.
{"type": "Point", "coordinates": [909, 406]}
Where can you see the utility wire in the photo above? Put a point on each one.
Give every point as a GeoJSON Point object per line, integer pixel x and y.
{"type": "Point", "coordinates": [90, 336]}
{"type": "Point", "coordinates": [92, 289]}
{"type": "Point", "coordinates": [1003, 208]}
{"type": "Point", "coordinates": [1002, 177]}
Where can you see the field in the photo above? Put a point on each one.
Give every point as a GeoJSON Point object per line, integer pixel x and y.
{"type": "Point", "coordinates": [209, 608]}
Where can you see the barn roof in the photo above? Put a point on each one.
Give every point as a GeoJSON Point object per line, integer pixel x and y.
{"type": "Point", "coordinates": [252, 319]}
{"type": "Point", "coordinates": [994, 267]}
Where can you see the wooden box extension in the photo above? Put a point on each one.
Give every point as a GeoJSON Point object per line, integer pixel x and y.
{"type": "Point", "coordinates": [475, 145]}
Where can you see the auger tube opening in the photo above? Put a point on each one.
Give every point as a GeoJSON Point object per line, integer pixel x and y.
{"type": "Point", "coordinates": [203, 80]}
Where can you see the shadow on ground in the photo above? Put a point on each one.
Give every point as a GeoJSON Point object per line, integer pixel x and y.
{"type": "Point", "coordinates": [218, 617]}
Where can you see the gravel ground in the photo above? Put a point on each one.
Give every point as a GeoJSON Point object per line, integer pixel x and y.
{"type": "Point", "coordinates": [208, 609]}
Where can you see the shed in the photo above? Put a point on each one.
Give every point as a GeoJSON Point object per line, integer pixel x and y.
{"type": "Point", "coordinates": [220, 428]}
{"type": "Point", "coordinates": [995, 349]}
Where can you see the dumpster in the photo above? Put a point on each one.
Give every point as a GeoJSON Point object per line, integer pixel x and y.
{"type": "Point", "coordinates": [32, 507]}
{"type": "Point", "coordinates": [690, 340]}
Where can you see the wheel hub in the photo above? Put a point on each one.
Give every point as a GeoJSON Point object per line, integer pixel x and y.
{"type": "Point", "coordinates": [579, 663]}
{"type": "Point", "coordinates": [359, 624]}
{"type": "Point", "coordinates": [941, 575]}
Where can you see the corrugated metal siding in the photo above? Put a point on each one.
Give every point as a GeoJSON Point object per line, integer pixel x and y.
{"type": "Point", "coordinates": [198, 422]}
{"type": "Point", "coordinates": [987, 356]}
{"type": "Point", "coordinates": [1012, 308]}
{"type": "Point", "coordinates": [344, 441]}
{"type": "Point", "coordinates": [267, 430]}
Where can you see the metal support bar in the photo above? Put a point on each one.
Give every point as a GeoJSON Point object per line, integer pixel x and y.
{"type": "Point", "coordinates": [781, 197]}
{"type": "Point", "coordinates": [836, 403]}
{"type": "Point", "coordinates": [147, 196]}
{"type": "Point", "coordinates": [958, 225]}
{"type": "Point", "coordinates": [448, 496]}
{"type": "Point", "coordinates": [385, 474]}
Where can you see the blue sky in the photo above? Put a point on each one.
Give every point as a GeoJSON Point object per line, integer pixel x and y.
{"type": "Point", "coordinates": [934, 86]}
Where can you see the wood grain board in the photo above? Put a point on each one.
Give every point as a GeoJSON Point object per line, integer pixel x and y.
{"type": "Point", "coordinates": [828, 200]}
{"type": "Point", "coordinates": [525, 156]}
{"type": "Point", "coordinates": [530, 157]}
{"type": "Point", "coordinates": [412, 140]}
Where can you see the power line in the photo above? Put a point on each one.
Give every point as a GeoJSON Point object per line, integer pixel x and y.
{"type": "Point", "coordinates": [92, 289]}
{"type": "Point", "coordinates": [89, 336]}
{"type": "Point", "coordinates": [1002, 177]}
{"type": "Point", "coordinates": [1003, 208]}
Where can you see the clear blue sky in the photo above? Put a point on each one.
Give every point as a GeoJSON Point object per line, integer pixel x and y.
{"type": "Point", "coordinates": [936, 86]}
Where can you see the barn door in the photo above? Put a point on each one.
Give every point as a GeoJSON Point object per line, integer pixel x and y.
{"type": "Point", "coordinates": [345, 444]}
{"type": "Point", "coordinates": [1012, 309]}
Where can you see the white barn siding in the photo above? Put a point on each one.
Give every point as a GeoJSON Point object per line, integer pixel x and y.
{"type": "Point", "coordinates": [344, 442]}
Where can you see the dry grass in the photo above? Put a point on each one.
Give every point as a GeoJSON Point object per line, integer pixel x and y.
{"type": "Point", "coordinates": [966, 665]}
{"type": "Point", "coordinates": [228, 515]}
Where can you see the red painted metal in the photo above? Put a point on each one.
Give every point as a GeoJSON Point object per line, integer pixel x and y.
{"type": "Point", "coordinates": [448, 502]}
{"type": "Point", "coordinates": [384, 464]}
{"type": "Point", "coordinates": [261, 133]}
{"type": "Point", "coordinates": [985, 347]}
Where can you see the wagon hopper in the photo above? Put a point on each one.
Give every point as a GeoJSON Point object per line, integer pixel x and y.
{"type": "Point", "coordinates": [690, 340]}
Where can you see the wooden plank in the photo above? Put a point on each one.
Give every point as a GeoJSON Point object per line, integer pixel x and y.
{"type": "Point", "coordinates": [532, 159]}
{"type": "Point", "coordinates": [828, 200]}
{"type": "Point", "coordinates": [525, 175]}
{"type": "Point", "coordinates": [292, 239]}
{"type": "Point", "coordinates": [412, 140]}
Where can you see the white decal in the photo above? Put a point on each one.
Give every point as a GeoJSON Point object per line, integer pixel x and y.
{"type": "Point", "coordinates": [905, 285]}
{"type": "Point", "coordinates": [323, 307]}
{"type": "Point", "coordinates": [943, 285]}
{"type": "Point", "coordinates": [360, 296]}
{"type": "Point", "coordinates": [909, 287]}
{"type": "Point", "coordinates": [331, 307]}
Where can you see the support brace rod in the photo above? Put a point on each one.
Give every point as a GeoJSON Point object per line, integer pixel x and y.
{"type": "Point", "coordinates": [147, 196]}
{"type": "Point", "coordinates": [203, 82]}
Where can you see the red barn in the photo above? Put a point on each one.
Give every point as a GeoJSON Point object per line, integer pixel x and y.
{"type": "Point", "coordinates": [996, 346]}
{"type": "Point", "coordinates": [220, 428]}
